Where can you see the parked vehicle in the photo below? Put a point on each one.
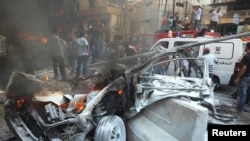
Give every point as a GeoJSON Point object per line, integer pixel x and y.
{"type": "Point", "coordinates": [151, 38]}
{"type": "Point", "coordinates": [35, 114]}
{"type": "Point", "coordinates": [228, 53]}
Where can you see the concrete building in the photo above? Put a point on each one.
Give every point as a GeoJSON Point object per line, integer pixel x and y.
{"type": "Point", "coordinates": [127, 19]}
{"type": "Point", "coordinates": [108, 12]}
{"type": "Point", "coordinates": [231, 9]}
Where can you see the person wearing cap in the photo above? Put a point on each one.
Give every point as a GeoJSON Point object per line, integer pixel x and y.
{"type": "Point", "coordinates": [197, 17]}
{"type": "Point", "coordinates": [242, 79]}
{"type": "Point", "coordinates": [211, 59]}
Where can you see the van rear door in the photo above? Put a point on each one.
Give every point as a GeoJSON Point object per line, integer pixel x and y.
{"type": "Point", "coordinates": [227, 53]}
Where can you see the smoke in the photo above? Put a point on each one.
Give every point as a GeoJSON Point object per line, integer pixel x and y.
{"type": "Point", "coordinates": [31, 17]}
{"type": "Point", "coordinates": [24, 16]}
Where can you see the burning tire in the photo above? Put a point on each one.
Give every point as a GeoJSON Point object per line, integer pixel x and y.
{"type": "Point", "coordinates": [110, 128]}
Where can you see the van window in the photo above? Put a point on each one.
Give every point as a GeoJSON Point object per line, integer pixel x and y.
{"type": "Point", "coordinates": [221, 50]}
{"type": "Point", "coordinates": [162, 45]}
{"type": "Point", "coordinates": [194, 49]}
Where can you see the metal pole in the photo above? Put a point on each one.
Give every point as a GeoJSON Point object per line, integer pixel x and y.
{"type": "Point", "coordinates": [165, 8]}
{"type": "Point", "coordinates": [174, 7]}
{"type": "Point", "coordinates": [186, 8]}
{"type": "Point", "coordinates": [172, 49]}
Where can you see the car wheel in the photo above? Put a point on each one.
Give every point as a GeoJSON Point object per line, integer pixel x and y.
{"type": "Point", "coordinates": [110, 128]}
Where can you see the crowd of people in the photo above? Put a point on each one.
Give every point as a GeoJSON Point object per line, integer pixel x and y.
{"type": "Point", "coordinates": [86, 47]}
{"type": "Point", "coordinates": [176, 24]}
{"type": "Point", "coordinates": [91, 46]}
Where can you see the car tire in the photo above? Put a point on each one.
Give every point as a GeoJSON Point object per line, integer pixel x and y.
{"type": "Point", "coordinates": [110, 128]}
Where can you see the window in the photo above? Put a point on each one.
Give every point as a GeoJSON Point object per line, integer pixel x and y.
{"type": "Point", "coordinates": [162, 45]}
{"type": "Point", "coordinates": [193, 50]}
{"type": "Point", "coordinates": [175, 67]}
{"type": "Point", "coordinates": [223, 50]}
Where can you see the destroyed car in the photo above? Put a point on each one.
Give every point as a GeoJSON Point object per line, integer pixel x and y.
{"type": "Point", "coordinates": [33, 113]}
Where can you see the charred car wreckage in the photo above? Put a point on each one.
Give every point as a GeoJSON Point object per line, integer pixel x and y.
{"type": "Point", "coordinates": [100, 115]}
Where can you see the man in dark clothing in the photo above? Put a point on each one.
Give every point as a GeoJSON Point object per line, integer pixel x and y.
{"type": "Point", "coordinates": [175, 20]}
{"type": "Point", "coordinates": [130, 51]}
{"type": "Point", "coordinates": [94, 35]}
{"type": "Point", "coordinates": [57, 55]}
{"type": "Point", "coordinates": [243, 79]}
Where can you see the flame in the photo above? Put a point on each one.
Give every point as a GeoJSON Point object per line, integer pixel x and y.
{"type": "Point", "coordinates": [120, 92]}
{"type": "Point", "coordinates": [28, 37]}
{"type": "Point", "coordinates": [80, 104]}
{"type": "Point", "coordinates": [65, 105]}
{"type": "Point", "coordinates": [19, 102]}
{"type": "Point", "coordinates": [46, 77]}
{"type": "Point", "coordinates": [44, 40]}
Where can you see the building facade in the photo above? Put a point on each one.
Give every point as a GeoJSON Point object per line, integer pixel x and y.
{"type": "Point", "coordinates": [111, 13]}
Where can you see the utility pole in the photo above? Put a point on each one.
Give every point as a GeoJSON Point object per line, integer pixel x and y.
{"type": "Point", "coordinates": [174, 7]}
{"type": "Point", "coordinates": [125, 22]}
{"type": "Point", "coordinates": [165, 7]}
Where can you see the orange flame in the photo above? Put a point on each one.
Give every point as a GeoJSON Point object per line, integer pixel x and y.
{"type": "Point", "coordinates": [44, 40]}
{"type": "Point", "coordinates": [80, 105]}
{"type": "Point", "coordinates": [120, 92]}
{"type": "Point", "coordinates": [46, 77]}
{"type": "Point", "coordinates": [28, 37]}
{"type": "Point", "coordinates": [19, 102]}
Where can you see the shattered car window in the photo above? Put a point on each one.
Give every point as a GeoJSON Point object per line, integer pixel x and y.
{"type": "Point", "coordinates": [185, 67]}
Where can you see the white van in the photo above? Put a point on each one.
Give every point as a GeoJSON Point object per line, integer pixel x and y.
{"type": "Point", "coordinates": [228, 53]}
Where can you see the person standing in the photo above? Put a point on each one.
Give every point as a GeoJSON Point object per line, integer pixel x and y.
{"type": "Point", "coordinates": [72, 55]}
{"type": "Point", "coordinates": [102, 39]}
{"type": "Point", "coordinates": [242, 79]}
{"type": "Point", "coordinates": [197, 17]}
{"type": "Point", "coordinates": [171, 23]}
{"type": "Point", "coordinates": [129, 51]}
{"type": "Point", "coordinates": [214, 19]}
{"type": "Point", "coordinates": [175, 21]}
{"type": "Point", "coordinates": [211, 59]}
{"type": "Point", "coordinates": [82, 51]}
{"type": "Point", "coordinates": [94, 32]}
{"type": "Point", "coordinates": [245, 28]}
{"type": "Point", "coordinates": [57, 55]}
{"type": "Point", "coordinates": [164, 22]}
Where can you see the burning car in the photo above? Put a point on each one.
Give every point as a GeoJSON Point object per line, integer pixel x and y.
{"type": "Point", "coordinates": [34, 113]}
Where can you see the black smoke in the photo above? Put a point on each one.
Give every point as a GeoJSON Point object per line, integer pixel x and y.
{"type": "Point", "coordinates": [33, 17]}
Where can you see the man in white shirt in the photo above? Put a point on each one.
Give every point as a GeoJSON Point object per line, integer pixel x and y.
{"type": "Point", "coordinates": [82, 51]}
{"type": "Point", "coordinates": [214, 18]}
{"type": "Point", "coordinates": [211, 59]}
{"type": "Point", "coordinates": [197, 16]}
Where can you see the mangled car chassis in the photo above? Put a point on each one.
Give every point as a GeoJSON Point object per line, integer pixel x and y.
{"type": "Point", "coordinates": [34, 113]}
